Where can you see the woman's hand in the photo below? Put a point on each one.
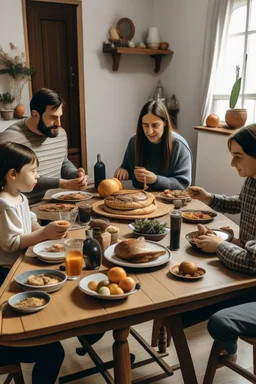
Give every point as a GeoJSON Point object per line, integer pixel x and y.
{"type": "Point", "coordinates": [121, 174]}
{"type": "Point", "coordinates": [143, 175]}
{"type": "Point", "coordinates": [200, 194]}
{"type": "Point", "coordinates": [55, 230]}
{"type": "Point", "coordinates": [208, 243]}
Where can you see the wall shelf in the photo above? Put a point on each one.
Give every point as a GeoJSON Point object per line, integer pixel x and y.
{"type": "Point", "coordinates": [156, 54]}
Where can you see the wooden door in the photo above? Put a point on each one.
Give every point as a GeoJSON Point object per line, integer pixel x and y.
{"type": "Point", "coordinates": [52, 39]}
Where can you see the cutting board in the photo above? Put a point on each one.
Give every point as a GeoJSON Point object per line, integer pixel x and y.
{"type": "Point", "coordinates": [162, 209]}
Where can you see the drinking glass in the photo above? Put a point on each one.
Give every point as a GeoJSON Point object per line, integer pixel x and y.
{"type": "Point", "coordinates": [84, 213]}
{"type": "Point", "coordinates": [176, 220]}
{"type": "Point", "coordinates": [73, 258]}
{"type": "Point", "coordinates": [70, 216]}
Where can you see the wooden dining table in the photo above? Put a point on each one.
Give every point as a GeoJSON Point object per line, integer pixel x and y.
{"type": "Point", "coordinates": [73, 313]}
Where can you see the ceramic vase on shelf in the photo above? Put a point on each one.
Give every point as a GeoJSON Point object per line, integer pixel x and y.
{"type": "Point", "coordinates": [153, 39]}
{"type": "Point", "coordinates": [236, 118]}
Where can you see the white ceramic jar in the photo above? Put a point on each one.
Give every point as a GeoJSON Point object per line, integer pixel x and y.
{"type": "Point", "coordinates": [153, 38]}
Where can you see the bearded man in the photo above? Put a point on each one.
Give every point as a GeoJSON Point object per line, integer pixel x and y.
{"type": "Point", "coordinates": [42, 132]}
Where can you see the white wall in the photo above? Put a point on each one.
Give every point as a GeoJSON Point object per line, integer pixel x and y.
{"type": "Point", "coordinates": [114, 99]}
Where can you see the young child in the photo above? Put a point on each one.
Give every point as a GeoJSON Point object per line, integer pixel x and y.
{"type": "Point", "coordinates": [20, 229]}
{"type": "Point", "coordinates": [19, 226]}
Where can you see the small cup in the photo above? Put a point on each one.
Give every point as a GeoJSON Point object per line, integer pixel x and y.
{"type": "Point", "coordinates": [114, 231]}
{"type": "Point", "coordinates": [70, 216]}
{"type": "Point", "coordinates": [73, 258]}
{"type": "Point", "coordinates": [177, 203]}
{"type": "Point", "coordinates": [84, 213]}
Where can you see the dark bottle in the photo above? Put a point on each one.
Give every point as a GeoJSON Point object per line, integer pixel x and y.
{"type": "Point", "coordinates": [99, 171]}
{"type": "Point", "coordinates": [176, 219]}
{"type": "Point", "coordinates": [91, 251]}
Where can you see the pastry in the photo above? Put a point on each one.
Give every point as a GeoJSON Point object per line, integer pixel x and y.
{"type": "Point", "coordinates": [55, 248]}
{"type": "Point", "coordinates": [132, 212]}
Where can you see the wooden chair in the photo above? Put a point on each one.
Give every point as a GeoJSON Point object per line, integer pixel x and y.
{"type": "Point", "coordinates": [216, 359]}
{"type": "Point", "coordinates": [14, 372]}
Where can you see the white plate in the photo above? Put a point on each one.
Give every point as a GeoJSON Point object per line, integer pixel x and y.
{"type": "Point", "coordinates": [109, 254]}
{"type": "Point", "coordinates": [163, 197]}
{"type": "Point", "coordinates": [51, 261]}
{"type": "Point", "coordinates": [40, 250]}
{"type": "Point", "coordinates": [83, 286]}
{"type": "Point", "coordinates": [87, 196]}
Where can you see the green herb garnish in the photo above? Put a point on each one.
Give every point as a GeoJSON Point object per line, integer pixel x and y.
{"type": "Point", "coordinates": [153, 226]}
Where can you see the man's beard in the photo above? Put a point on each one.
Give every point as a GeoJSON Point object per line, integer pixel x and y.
{"type": "Point", "coordinates": [51, 131]}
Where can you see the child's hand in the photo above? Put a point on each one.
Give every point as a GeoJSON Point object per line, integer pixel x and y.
{"type": "Point", "coordinates": [56, 229]}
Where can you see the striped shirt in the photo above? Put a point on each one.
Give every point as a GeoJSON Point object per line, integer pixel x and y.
{"type": "Point", "coordinates": [52, 155]}
{"type": "Point", "coordinates": [233, 256]}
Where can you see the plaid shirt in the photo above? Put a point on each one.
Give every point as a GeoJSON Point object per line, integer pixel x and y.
{"type": "Point", "coordinates": [233, 256]}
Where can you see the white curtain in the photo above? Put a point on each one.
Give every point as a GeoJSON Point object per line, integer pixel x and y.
{"type": "Point", "coordinates": [217, 22]}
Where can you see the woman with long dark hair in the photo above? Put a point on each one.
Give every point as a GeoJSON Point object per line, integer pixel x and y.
{"type": "Point", "coordinates": [156, 155]}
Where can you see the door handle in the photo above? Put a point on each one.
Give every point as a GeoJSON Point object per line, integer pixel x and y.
{"type": "Point", "coordinates": [72, 75]}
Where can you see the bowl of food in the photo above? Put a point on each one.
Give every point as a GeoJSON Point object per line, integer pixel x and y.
{"type": "Point", "coordinates": [192, 236]}
{"type": "Point", "coordinates": [150, 229]}
{"type": "Point", "coordinates": [46, 280]}
{"type": "Point", "coordinates": [198, 216]}
{"type": "Point", "coordinates": [171, 195]}
{"type": "Point", "coordinates": [29, 302]}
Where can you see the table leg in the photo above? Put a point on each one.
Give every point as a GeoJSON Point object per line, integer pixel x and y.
{"type": "Point", "coordinates": [122, 364]}
{"type": "Point", "coordinates": [181, 346]}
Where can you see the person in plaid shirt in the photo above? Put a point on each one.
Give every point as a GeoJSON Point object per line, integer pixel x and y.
{"type": "Point", "coordinates": [240, 254]}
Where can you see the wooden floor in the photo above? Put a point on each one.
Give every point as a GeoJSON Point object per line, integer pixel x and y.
{"type": "Point", "coordinates": [199, 342]}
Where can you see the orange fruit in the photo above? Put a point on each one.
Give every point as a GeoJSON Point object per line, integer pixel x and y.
{"type": "Point", "coordinates": [116, 274]}
{"type": "Point", "coordinates": [212, 121]}
{"type": "Point", "coordinates": [112, 288]}
{"type": "Point", "coordinates": [117, 291]}
{"type": "Point", "coordinates": [127, 284]}
{"type": "Point", "coordinates": [118, 182]}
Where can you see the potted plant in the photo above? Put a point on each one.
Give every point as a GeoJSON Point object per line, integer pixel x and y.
{"type": "Point", "coordinates": [16, 67]}
{"type": "Point", "coordinates": [7, 112]}
{"type": "Point", "coordinates": [235, 117]}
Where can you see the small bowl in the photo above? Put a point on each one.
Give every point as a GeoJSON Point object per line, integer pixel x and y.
{"type": "Point", "coordinates": [163, 45]}
{"type": "Point", "coordinates": [198, 221]}
{"type": "Point", "coordinates": [22, 278]}
{"type": "Point", "coordinates": [24, 295]}
{"type": "Point", "coordinates": [149, 236]}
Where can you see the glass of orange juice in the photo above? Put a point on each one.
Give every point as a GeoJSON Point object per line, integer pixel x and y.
{"type": "Point", "coordinates": [73, 258]}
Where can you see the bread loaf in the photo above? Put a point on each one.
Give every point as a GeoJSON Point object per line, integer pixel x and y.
{"type": "Point", "coordinates": [128, 199]}
{"type": "Point", "coordinates": [136, 251]}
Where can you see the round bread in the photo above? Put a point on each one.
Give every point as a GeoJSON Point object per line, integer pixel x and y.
{"type": "Point", "coordinates": [126, 200]}
{"type": "Point", "coordinates": [131, 212]}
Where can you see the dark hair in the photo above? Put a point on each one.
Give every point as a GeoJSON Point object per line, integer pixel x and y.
{"type": "Point", "coordinates": [158, 109]}
{"type": "Point", "coordinates": [45, 97]}
{"type": "Point", "coordinates": [14, 156]}
{"type": "Point", "coordinates": [246, 137]}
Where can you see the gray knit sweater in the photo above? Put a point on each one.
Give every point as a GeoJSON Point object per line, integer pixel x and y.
{"type": "Point", "coordinates": [52, 155]}
{"type": "Point", "coordinates": [177, 176]}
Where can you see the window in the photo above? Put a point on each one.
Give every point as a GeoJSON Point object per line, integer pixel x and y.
{"type": "Point", "coordinates": [240, 50]}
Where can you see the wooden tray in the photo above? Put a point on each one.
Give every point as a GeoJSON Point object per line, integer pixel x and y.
{"type": "Point", "coordinates": [162, 209]}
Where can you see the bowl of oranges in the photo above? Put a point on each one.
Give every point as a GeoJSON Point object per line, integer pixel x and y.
{"type": "Point", "coordinates": [114, 285]}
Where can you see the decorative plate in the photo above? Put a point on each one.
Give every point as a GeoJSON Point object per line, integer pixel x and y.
{"type": "Point", "coordinates": [109, 254]}
{"type": "Point", "coordinates": [187, 216]}
{"type": "Point", "coordinates": [83, 286]}
{"type": "Point", "coordinates": [173, 271]}
{"type": "Point", "coordinates": [24, 295]}
{"type": "Point", "coordinates": [70, 196]}
{"type": "Point", "coordinates": [164, 197]}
